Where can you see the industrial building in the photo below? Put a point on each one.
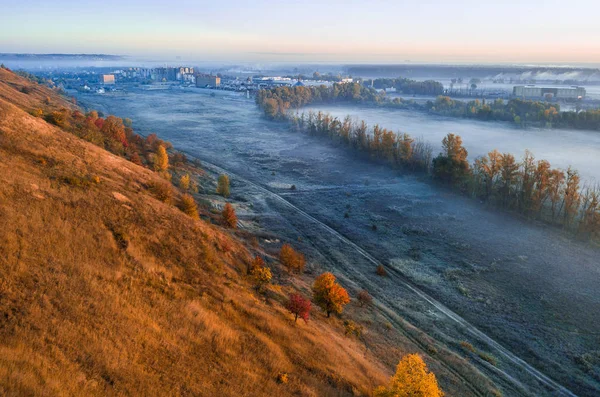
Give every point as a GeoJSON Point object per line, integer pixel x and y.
{"type": "Point", "coordinates": [107, 79]}
{"type": "Point", "coordinates": [206, 80]}
{"type": "Point", "coordinates": [531, 91]}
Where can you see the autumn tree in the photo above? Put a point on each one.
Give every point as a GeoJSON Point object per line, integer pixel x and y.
{"type": "Point", "coordinates": [229, 216]}
{"type": "Point", "coordinates": [187, 204]}
{"type": "Point", "coordinates": [184, 182]}
{"type": "Point", "coordinates": [451, 166]}
{"type": "Point", "coordinates": [589, 227]}
{"type": "Point", "coordinates": [298, 306]}
{"type": "Point", "coordinates": [262, 277]}
{"type": "Point", "coordinates": [256, 262]}
{"type": "Point", "coordinates": [114, 129]}
{"type": "Point", "coordinates": [223, 185]}
{"type": "Point", "coordinates": [161, 160]}
{"type": "Point", "coordinates": [412, 379]}
{"type": "Point", "coordinates": [329, 295]}
{"type": "Point", "coordinates": [291, 258]}
{"type": "Point", "coordinates": [571, 197]}
{"type": "Point", "coordinates": [556, 180]}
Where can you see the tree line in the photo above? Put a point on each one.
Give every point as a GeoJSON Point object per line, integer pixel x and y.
{"type": "Point", "coordinates": [409, 86]}
{"type": "Point", "coordinates": [277, 102]}
{"type": "Point", "coordinates": [519, 111]}
{"type": "Point", "coordinates": [532, 188]}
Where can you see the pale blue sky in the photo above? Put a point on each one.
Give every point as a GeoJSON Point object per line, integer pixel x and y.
{"type": "Point", "coordinates": [311, 31]}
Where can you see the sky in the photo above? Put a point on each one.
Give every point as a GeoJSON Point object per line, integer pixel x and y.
{"type": "Point", "coordinates": [349, 31]}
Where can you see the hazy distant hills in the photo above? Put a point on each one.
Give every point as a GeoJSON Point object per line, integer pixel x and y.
{"type": "Point", "coordinates": [46, 57]}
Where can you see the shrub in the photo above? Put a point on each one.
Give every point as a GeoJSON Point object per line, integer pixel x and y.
{"type": "Point", "coordinates": [58, 118]}
{"type": "Point", "coordinates": [351, 328]}
{"type": "Point", "coordinates": [256, 262]}
{"type": "Point", "coordinates": [381, 271]}
{"type": "Point", "coordinates": [467, 346]}
{"type": "Point", "coordinates": [77, 181]}
{"type": "Point", "coordinates": [223, 185]}
{"type": "Point", "coordinates": [329, 295]}
{"type": "Point", "coordinates": [299, 307]}
{"type": "Point", "coordinates": [37, 112]}
{"type": "Point", "coordinates": [292, 259]}
{"type": "Point", "coordinates": [187, 204]}
{"type": "Point", "coordinates": [412, 378]}
{"type": "Point", "coordinates": [282, 377]}
{"type": "Point", "coordinates": [488, 357]}
{"type": "Point", "coordinates": [364, 298]}
{"type": "Point", "coordinates": [262, 276]}
{"type": "Point", "coordinates": [121, 238]}
{"type": "Point", "coordinates": [162, 191]}
{"type": "Point", "coordinates": [229, 217]}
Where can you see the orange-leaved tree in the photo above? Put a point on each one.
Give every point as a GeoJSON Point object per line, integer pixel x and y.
{"type": "Point", "coordinates": [292, 259]}
{"type": "Point", "coordinates": [229, 216]}
{"type": "Point", "coordinates": [329, 295]}
{"type": "Point", "coordinates": [412, 378]}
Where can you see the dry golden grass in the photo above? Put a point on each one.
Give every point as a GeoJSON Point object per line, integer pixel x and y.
{"type": "Point", "coordinates": [106, 290]}
{"type": "Point", "coordinates": [12, 87]}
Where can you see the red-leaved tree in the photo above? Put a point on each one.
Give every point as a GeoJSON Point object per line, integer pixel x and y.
{"type": "Point", "coordinates": [298, 306]}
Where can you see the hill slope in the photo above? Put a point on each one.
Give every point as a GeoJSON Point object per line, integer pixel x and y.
{"type": "Point", "coordinates": [106, 290]}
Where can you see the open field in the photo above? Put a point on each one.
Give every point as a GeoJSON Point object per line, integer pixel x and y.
{"type": "Point", "coordinates": [524, 285]}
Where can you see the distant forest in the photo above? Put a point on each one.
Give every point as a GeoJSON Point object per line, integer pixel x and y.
{"type": "Point", "coordinates": [276, 103]}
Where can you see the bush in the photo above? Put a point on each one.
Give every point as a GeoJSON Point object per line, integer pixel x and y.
{"type": "Point", "coordinates": [351, 328]}
{"type": "Point", "coordinates": [229, 216]}
{"type": "Point", "coordinates": [488, 357]}
{"type": "Point", "coordinates": [467, 346]}
{"type": "Point", "coordinates": [381, 271]}
{"type": "Point", "coordinates": [77, 181]}
{"type": "Point", "coordinates": [364, 298]}
{"type": "Point", "coordinates": [187, 204]}
{"type": "Point", "coordinates": [282, 377]}
{"type": "Point", "coordinates": [256, 262]}
{"type": "Point", "coordinates": [290, 258]}
{"type": "Point", "coordinates": [162, 191]}
{"type": "Point", "coordinates": [262, 277]}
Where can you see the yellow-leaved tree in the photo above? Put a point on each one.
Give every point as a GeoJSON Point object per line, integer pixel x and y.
{"type": "Point", "coordinates": [161, 161]}
{"type": "Point", "coordinates": [412, 378]}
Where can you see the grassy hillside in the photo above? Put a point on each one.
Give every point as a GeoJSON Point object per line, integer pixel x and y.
{"type": "Point", "coordinates": [105, 290]}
